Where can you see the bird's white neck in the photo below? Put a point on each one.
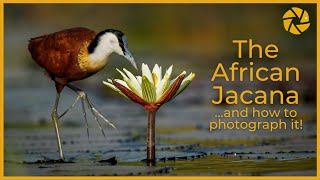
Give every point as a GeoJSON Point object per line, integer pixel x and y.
{"type": "Point", "coordinates": [98, 58]}
{"type": "Point", "coordinates": [100, 53]}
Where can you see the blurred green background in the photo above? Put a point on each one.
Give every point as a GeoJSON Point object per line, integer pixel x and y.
{"type": "Point", "coordinates": [187, 34]}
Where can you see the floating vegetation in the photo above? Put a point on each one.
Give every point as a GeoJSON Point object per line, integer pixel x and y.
{"type": "Point", "coordinates": [233, 165]}
{"type": "Point", "coordinates": [221, 142]}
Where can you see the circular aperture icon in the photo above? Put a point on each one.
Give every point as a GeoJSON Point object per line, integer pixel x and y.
{"type": "Point", "coordinates": [296, 20]}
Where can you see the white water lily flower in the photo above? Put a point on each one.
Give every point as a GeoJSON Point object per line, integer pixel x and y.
{"type": "Point", "coordinates": [150, 89]}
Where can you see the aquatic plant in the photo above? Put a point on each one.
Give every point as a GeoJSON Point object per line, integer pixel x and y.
{"type": "Point", "coordinates": [151, 90]}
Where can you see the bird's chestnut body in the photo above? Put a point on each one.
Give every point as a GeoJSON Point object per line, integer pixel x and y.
{"type": "Point", "coordinates": [64, 55]}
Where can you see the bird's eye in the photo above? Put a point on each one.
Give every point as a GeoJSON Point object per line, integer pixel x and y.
{"type": "Point", "coordinates": [112, 41]}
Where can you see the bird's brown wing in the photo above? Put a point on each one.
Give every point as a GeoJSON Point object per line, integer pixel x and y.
{"type": "Point", "coordinates": [57, 52]}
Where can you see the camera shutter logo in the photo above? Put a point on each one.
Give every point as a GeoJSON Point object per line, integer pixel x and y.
{"type": "Point", "coordinates": [296, 20]}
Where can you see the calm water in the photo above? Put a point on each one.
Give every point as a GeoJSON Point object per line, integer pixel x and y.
{"type": "Point", "coordinates": [182, 135]}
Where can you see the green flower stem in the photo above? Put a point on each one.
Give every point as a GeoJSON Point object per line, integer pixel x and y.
{"type": "Point", "coordinates": [151, 152]}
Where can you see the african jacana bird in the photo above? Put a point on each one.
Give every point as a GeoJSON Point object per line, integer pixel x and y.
{"type": "Point", "coordinates": [75, 54]}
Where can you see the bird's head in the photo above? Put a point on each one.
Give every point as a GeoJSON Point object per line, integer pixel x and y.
{"type": "Point", "coordinates": [111, 40]}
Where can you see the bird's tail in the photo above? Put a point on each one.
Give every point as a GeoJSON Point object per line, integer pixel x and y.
{"type": "Point", "coordinates": [37, 38]}
{"type": "Point", "coordinates": [33, 42]}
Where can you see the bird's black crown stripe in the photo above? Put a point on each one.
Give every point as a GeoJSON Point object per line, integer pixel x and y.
{"type": "Point", "coordinates": [95, 41]}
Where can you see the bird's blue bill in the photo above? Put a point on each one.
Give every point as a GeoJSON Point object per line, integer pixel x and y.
{"type": "Point", "coordinates": [130, 58]}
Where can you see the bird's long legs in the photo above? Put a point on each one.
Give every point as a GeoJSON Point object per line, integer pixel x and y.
{"type": "Point", "coordinates": [85, 100]}
{"type": "Point", "coordinates": [55, 119]}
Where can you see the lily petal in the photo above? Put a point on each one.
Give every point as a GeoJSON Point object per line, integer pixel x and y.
{"type": "Point", "coordinates": [146, 72]}
{"type": "Point", "coordinates": [111, 85]}
{"type": "Point", "coordinates": [184, 73]}
{"type": "Point", "coordinates": [171, 91]}
{"type": "Point", "coordinates": [123, 83]}
{"type": "Point", "coordinates": [185, 83]}
{"type": "Point", "coordinates": [148, 90]}
{"type": "Point", "coordinates": [131, 76]}
{"type": "Point", "coordinates": [133, 83]}
{"type": "Point", "coordinates": [139, 79]}
{"type": "Point", "coordinates": [114, 88]}
{"type": "Point", "coordinates": [131, 95]}
{"type": "Point", "coordinates": [125, 78]}
{"type": "Point", "coordinates": [157, 74]}
{"type": "Point", "coordinates": [169, 71]}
